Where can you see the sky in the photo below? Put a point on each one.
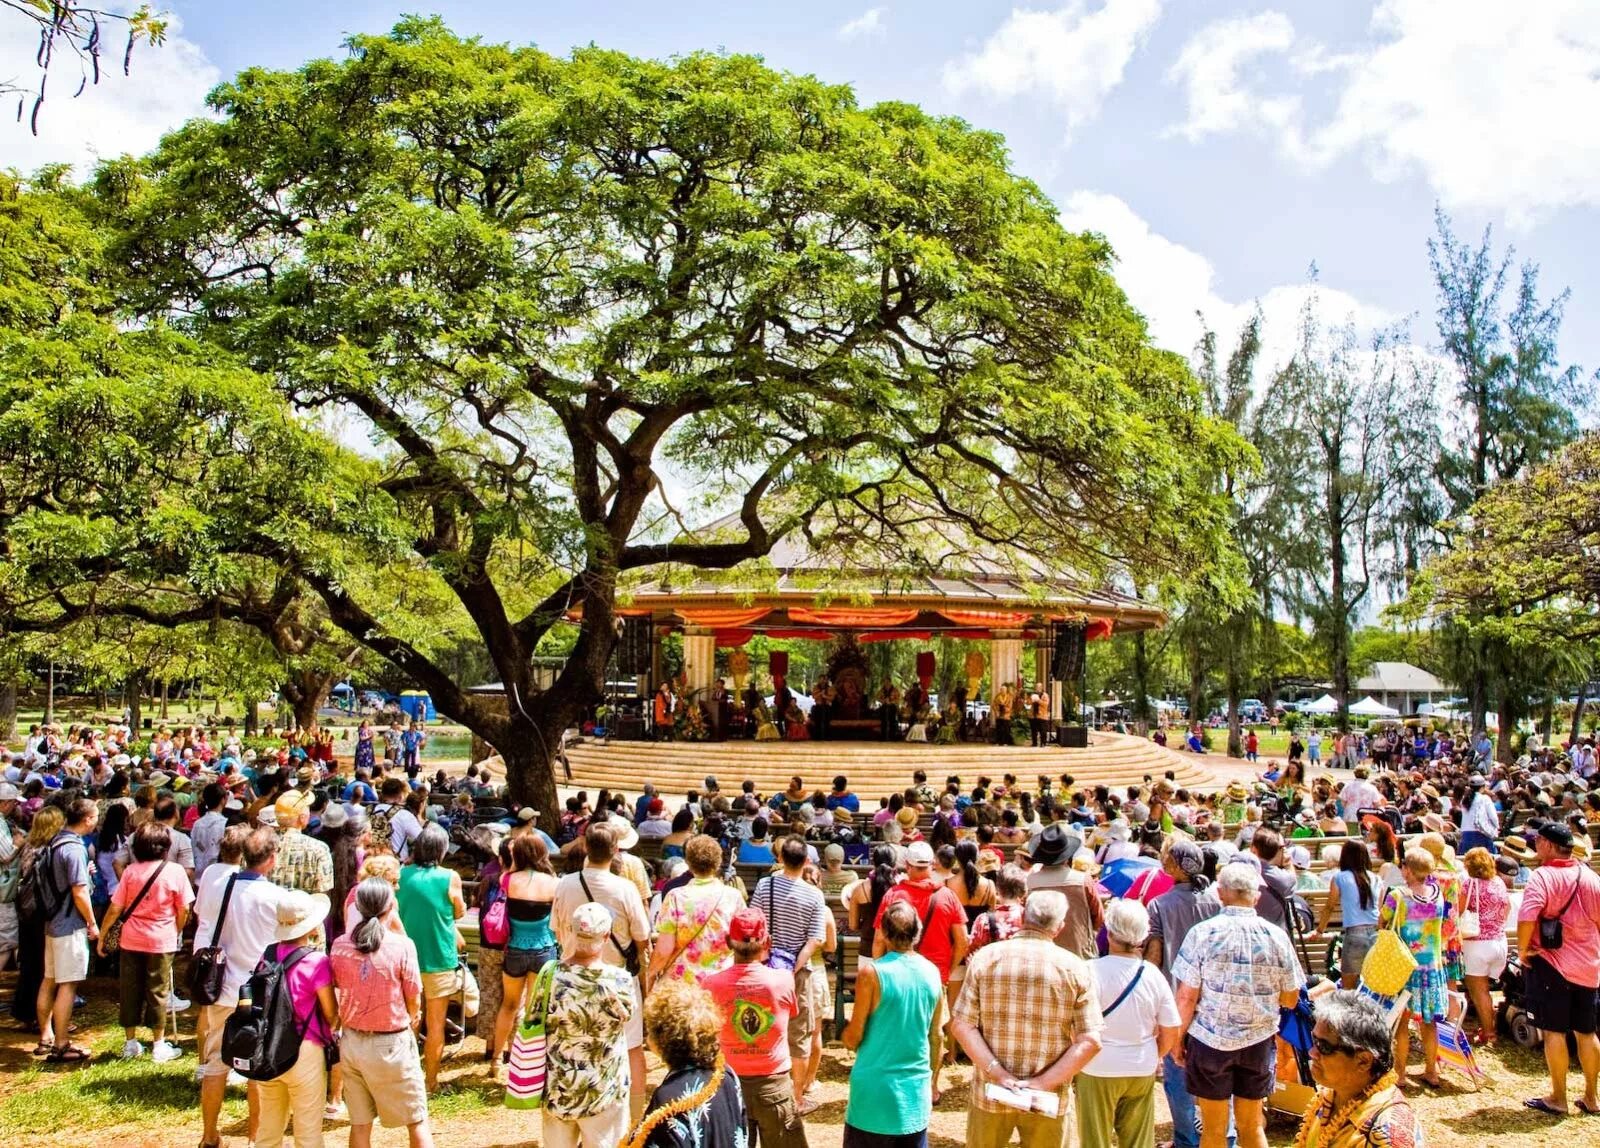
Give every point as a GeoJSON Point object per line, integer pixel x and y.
{"type": "Point", "coordinates": [1223, 148]}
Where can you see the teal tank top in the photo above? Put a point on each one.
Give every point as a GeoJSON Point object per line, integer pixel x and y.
{"type": "Point", "coordinates": [892, 1063]}
{"type": "Point", "coordinates": [428, 916]}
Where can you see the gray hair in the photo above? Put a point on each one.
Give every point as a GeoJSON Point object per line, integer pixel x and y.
{"type": "Point", "coordinates": [430, 846]}
{"type": "Point", "coordinates": [901, 927]}
{"type": "Point", "coordinates": [1127, 922]}
{"type": "Point", "coordinates": [1045, 911]}
{"type": "Point", "coordinates": [1358, 1023]}
{"type": "Point", "coordinates": [1241, 879]}
{"type": "Point", "coordinates": [374, 899]}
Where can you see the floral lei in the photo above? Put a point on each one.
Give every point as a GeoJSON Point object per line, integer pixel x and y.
{"type": "Point", "coordinates": [1332, 1123]}
{"type": "Point", "coordinates": [679, 1106]}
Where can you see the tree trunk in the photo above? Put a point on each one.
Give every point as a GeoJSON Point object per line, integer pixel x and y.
{"type": "Point", "coordinates": [165, 687]}
{"type": "Point", "coordinates": [8, 711]}
{"type": "Point", "coordinates": [1577, 711]}
{"type": "Point", "coordinates": [1338, 620]}
{"type": "Point", "coordinates": [307, 691]}
{"type": "Point", "coordinates": [1235, 737]}
{"type": "Point", "coordinates": [1548, 730]}
{"type": "Point", "coordinates": [1510, 711]}
{"type": "Point", "coordinates": [1141, 679]}
{"type": "Point", "coordinates": [250, 707]}
{"type": "Point", "coordinates": [133, 690]}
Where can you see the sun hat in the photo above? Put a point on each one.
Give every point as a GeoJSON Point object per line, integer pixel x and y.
{"type": "Point", "coordinates": [157, 779]}
{"type": "Point", "coordinates": [907, 817]}
{"type": "Point", "coordinates": [748, 926]}
{"type": "Point", "coordinates": [919, 855]}
{"type": "Point", "coordinates": [1054, 846]}
{"type": "Point", "coordinates": [292, 805]}
{"type": "Point", "coordinates": [592, 921]}
{"type": "Point", "coordinates": [1237, 791]}
{"type": "Point", "coordinates": [121, 760]}
{"type": "Point", "coordinates": [989, 862]}
{"type": "Point", "coordinates": [299, 913]}
{"type": "Point", "coordinates": [268, 817]}
{"type": "Point", "coordinates": [627, 835]}
{"type": "Point", "coordinates": [334, 816]}
{"type": "Point", "coordinates": [9, 792]}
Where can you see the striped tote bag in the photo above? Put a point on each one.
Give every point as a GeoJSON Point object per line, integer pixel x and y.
{"type": "Point", "coordinates": [526, 1072]}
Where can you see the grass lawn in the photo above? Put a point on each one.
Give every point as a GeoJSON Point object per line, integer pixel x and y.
{"type": "Point", "coordinates": [140, 1104]}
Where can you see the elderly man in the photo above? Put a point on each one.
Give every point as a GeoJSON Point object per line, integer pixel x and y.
{"type": "Point", "coordinates": [1233, 973]}
{"type": "Point", "coordinates": [304, 863]}
{"type": "Point", "coordinates": [1561, 980]}
{"type": "Point", "coordinates": [1051, 856]}
{"type": "Point", "coordinates": [1352, 1063]}
{"type": "Point", "coordinates": [591, 1004]}
{"type": "Point", "coordinates": [1028, 1017]}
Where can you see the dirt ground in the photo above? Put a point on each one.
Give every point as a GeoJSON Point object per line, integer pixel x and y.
{"type": "Point", "coordinates": [115, 1104]}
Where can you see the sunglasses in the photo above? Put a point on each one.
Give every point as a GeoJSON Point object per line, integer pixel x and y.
{"type": "Point", "coordinates": [1331, 1048]}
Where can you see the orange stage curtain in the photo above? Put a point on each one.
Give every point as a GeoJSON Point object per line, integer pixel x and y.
{"type": "Point", "coordinates": [993, 619]}
{"type": "Point", "coordinates": [1097, 629]}
{"type": "Point", "coordinates": [734, 637]}
{"type": "Point", "coordinates": [810, 635]}
{"type": "Point", "coordinates": [724, 617]}
{"type": "Point", "coordinates": [853, 617]}
{"type": "Point", "coordinates": [891, 635]}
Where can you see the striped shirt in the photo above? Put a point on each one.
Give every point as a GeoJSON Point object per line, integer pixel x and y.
{"type": "Point", "coordinates": [796, 912]}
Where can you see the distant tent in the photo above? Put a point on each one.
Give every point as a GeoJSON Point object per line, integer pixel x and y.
{"type": "Point", "coordinates": [1371, 707]}
{"type": "Point", "coordinates": [1326, 704]}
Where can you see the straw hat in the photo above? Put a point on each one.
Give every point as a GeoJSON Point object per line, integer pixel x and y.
{"type": "Point", "coordinates": [1517, 848]}
{"type": "Point", "coordinates": [1237, 791]}
{"type": "Point", "coordinates": [299, 913]}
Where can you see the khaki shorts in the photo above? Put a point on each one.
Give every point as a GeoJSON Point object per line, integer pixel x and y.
{"type": "Point", "coordinates": [66, 959]}
{"type": "Point", "coordinates": [810, 995]}
{"type": "Point", "coordinates": [383, 1078]}
{"type": "Point", "coordinates": [216, 1016]}
{"type": "Point", "coordinates": [448, 984]}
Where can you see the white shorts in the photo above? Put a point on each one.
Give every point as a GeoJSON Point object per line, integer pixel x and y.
{"type": "Point", "coordinates": [1485, 957]}
{"type": "Point", "coordinates": [66, 959]}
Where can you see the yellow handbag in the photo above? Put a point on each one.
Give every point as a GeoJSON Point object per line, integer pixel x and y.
{"type": "Point", "coordinates": [1389, 964]}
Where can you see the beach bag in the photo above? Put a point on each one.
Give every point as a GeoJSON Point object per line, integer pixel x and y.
{"type": "Point", "coordinates": [1467, 923]}
{"type": "Point", "coordinates": [525, 1074]}
{"type": "Point", "coordinates": [1389, 964]}
{"type": "Point", "coordinates": [261, 1041]}
{"type": "Point", "coordinates": [210, 964]}
{"type": "Point", "coordinates": [496, 929]}
{"type": "Point", "coordinates": [111, 940]}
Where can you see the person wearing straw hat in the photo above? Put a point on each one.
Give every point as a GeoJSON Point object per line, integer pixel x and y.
{"type": "Point", "coordinates": [302, 1091]}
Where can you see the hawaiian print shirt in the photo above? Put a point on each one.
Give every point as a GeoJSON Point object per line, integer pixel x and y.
{"type": "Point", "coordinates": [1240, 963]}
{"type": "Point", "coordinates": [1384, 1120]}
{"type": "Point", "coordinates": [303, 863]}
{"type": "Point", "coordinates": [587, 1061]}
{"type": "Point", "coordinates": [696, 916]}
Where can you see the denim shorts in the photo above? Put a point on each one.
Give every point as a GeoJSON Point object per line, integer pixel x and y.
{"type": "Point", "coordinates": [523, 962]}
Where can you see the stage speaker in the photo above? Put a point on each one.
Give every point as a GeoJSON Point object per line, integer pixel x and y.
{"type": "Point", "coordinates": [633, 646]}
{"type": "Point", "coordinates": [1067, 644]}
{"type": "Point", "coordinates": [1072, 736]}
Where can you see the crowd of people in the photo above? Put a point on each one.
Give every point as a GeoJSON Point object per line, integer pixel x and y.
{"type": "Point", "coordinates": [1077, 946]}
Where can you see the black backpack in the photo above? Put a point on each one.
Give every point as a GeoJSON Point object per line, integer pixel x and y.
{"type": "Point", "coordinates": [34, 890]}
{"type": "Point", "coordinates": [262, 1042]}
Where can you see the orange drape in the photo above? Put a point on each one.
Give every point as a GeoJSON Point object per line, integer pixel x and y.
{"type": "Point", "coordinates": [724, 617]}
{"type": "Point", "coordinates": [853, 617]}
{"type": "Point", "coordinates": [989, 619]}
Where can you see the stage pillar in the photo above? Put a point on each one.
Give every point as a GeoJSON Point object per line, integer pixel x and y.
{"type": "Point", "coordinates": [1005, 659]}
{"type": "Point", "coordinates": [699, 659]}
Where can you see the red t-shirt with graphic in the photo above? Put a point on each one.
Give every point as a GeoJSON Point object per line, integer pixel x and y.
{"type": "Point", "coordinates": [757, 1002]}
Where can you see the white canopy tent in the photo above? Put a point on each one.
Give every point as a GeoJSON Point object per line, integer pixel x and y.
{"type": "Point", "coordinates": [1371, 707]}
{"type": "Point", "coordinates": [1326, 704]}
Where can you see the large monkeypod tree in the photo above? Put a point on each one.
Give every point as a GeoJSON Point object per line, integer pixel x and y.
{"type": "Point", "coordinates": [577, 305]}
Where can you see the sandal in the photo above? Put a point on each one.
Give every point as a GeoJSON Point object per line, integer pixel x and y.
{"type": "Point", "coordinates": [1540, 1104]}
{"type": "Point", "coordinates": [1584, 1108]}
{"type": "Point", "coordinates": [68, 1054]}
{"type": "Point", "coordinates": [42, 1049]}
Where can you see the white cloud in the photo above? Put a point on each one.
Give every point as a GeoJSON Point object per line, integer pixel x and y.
{"type": "Point", "coordinates": [1209, 69]}
{"type": "Point", "coordinates": [869, 24]}
{"type": "Point", "coordinates": [1175, 287]}
{"type": "Point", "coordinates": [1492, 103]}
{"type": "Point", "coordinates": [1074, 56]}
{"type": "Point", "coordinates": [166, 86]}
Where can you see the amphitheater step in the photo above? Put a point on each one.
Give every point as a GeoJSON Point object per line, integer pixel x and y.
{"type": "Point", "coordinates": [873, 768]}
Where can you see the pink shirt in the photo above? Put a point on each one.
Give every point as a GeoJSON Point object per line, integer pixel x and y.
{"type": "Point", "coordinates": [153, 926]}
{"type": "Point", "coordinates": [1552, 883]}
{"type": "Point", "coordinates": [373, 987]}
{"type": "Point", "coordinates": [1488, 897]}
{"type": "Point", "coordinates": [310, 974]}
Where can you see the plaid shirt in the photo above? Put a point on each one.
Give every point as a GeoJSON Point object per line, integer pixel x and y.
{"type": "Point", "coordinates": [1240, 963]}
{"type": "Point", "coordinates": [304, 863]}
{"type": "Point", "coordinates": [1031, 999]}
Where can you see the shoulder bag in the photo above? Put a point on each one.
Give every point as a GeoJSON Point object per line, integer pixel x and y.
{"type": "Point", "coordinates": [525, 1074]}
{"type": "Point", "coordinates": [1550, 933]}
{"type": "Point", "coordinates": [210, 964]}
{"type": "Point", "coordinates": [112, 941]}
{"type": "Point", "coordinates": [1467, 923]}
{"type": "Point", "coordinates": [629, 955]}
{"type": "Point", "coordinates": [1388, 965]}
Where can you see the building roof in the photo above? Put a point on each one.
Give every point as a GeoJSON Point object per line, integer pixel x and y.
{"type": "Point", "coordinates": [1400, 678]}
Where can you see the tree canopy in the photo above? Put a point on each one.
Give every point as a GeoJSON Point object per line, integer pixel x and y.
{"type": "Point", "coordinates": [575, 306]}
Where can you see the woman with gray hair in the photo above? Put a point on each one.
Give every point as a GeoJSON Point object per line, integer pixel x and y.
{"type": "Point", "coordinates": [379, 986]}
{"type": "Point", "coordinates": [1116, 1090]}
{"type": "Point", "coordinates": [1359, 1101]}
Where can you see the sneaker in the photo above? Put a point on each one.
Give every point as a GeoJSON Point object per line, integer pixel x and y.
{"type": "Point", "coordinates": [334, 1111]}
{"type": "Point", "coordinates": [175, 1003]}
{"type": "Point", "coordinates": [132, 1050]}
{"type": "Point", "coordinates": [163, 1051]}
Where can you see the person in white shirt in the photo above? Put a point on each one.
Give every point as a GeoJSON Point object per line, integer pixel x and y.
{"type": "Point", "coordinates": [1116, 1090]}
{"type": "Point", "coordinates": [251, 925]}
{"type": "Point", "coordinates": [403, 824]}
{"type": "Point", "coordinates": [1357, 795]}
{"type": "Point", "coordinates": [1480, 824]}
{"type": "Point", "coordinates": [206, 833]}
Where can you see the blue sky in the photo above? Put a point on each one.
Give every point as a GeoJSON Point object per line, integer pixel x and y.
{"type": "Point", "coordinates": [1223, 147]}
